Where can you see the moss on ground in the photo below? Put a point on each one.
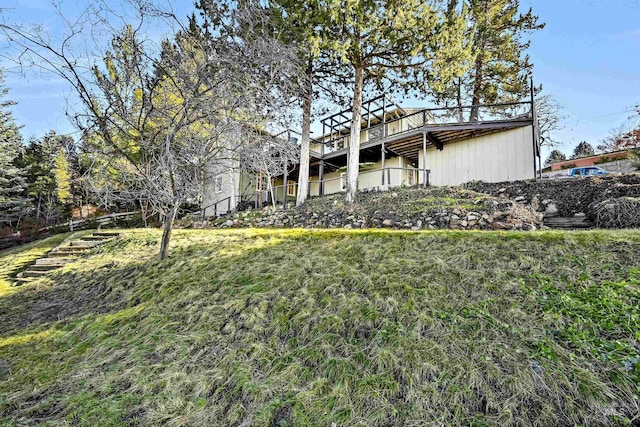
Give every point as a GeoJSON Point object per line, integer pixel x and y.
{"type": "Point", "coordinates": [294, 327]}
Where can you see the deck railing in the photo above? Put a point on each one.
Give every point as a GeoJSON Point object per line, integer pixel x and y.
{"type": "Point", "coordinates": [436, 117]}
{"type": "Point", "coordinates": [382, 178]}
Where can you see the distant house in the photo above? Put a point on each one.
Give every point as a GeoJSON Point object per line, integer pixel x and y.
{"type": "Point", "coordinates": [411, 147]}
{"type": "Point", "coordinates": [616, 161]}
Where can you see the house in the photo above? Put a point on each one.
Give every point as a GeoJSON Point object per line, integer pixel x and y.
{"type": "Point", "coordinates": [617, 161]}
{"type": "Point", "coordinates": [410, 147]}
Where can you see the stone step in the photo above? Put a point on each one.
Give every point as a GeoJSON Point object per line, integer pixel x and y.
{"type": "Point", "coordinates": [53, 261]}
{"type": "Point", "coordinates": [17, 281]}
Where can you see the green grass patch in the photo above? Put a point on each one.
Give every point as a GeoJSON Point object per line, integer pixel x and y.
{"type": "Point", "coordinates": [314, 327]}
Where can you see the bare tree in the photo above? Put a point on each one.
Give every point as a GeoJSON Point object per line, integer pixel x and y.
{"type": "Point", "coordinates": [271, 156]}
{"type": "Point", "coordinates": [550, 116]}
{"type": "Point", "coordinates": [623, 137]}
{"type": "Point", "coordinates": [157, 117]}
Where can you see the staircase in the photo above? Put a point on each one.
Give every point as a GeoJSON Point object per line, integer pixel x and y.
{"type": "Point", "coordinates": [63, 255]}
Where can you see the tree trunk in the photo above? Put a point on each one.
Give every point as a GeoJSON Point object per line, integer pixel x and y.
{"type": "Point", "coordinates": [303, 174]}
{"type": "Point", "coordinates": [459, 100]}
{"type": "Point", "coordinates": [166, 232]}
{"type": "Point", "coordinates": [353, 163]}
{"type": "Point", "coordinates": [477, 88]}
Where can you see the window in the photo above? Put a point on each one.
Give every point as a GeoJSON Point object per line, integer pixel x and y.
{"type": "Point", "coordinates": [343, 181]}
{"type": "Point", "coordinates": [217, 183]}
{"type": "Point", "coordinates": [291, 189]}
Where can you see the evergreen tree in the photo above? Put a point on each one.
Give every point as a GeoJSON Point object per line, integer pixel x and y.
{"type": "Point", "coordinates": [499, 66]}
{"type": "Point", "coordinates": [40, 160]}
{"type": "Point", "coordinates": [14, 204]}
{"type": "Point", "coordinates": [584, 149]}
{"type": "Point", "coordinates": [390, 42]}
{"type": "Point", "coordinates": [63, 177]}
{"type": "Point", "coordinates": [555, 157]}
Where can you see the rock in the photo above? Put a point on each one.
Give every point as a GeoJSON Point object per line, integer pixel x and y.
{"type": "Point", "coordinates": [457, 211]}
{"type": "Point", "coordinates": [348, 226]}
{"type": "Point", "coordinates": [394, 195]}
{"type": "Point", "coordinates": [502, 190]}
{"type": "Point", "coordinates": [473, 217]}
{"type": "Point", "coordinates": [529, 227]}
{"type": "Point", "coordinates": [485, 216]}
{"type": "Point", "coordinates": [535, 203]}
{"type": "Point", "coordinates": [415, 228]}
{"type": "Point", "coordinates": [419, 224]}
{"type": "Point", "coordinates": [228, 223]}
{"type": "Point", "coordinates": [454, 217]}
{"type": "Point", "coordinates": [551, 210]}
{"type": "Point", "coordinates": [497, 225]}
{"type": "Point", "coordinates": [520, 199]}
{"type": "Point", "coordinates": [387, 223]}
{"type": "Point", "coordinates": [580, 215]}
{"type": "Point", "coordinates": [464, 223]}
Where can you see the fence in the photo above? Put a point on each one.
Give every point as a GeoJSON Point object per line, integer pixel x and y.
{"type": "Point", "coordinates": [81, 224]}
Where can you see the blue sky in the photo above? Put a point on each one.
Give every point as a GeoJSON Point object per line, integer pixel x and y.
{"type": "Point", "coordinates": [588, 57]}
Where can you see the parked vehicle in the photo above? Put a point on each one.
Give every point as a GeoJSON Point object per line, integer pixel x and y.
{"type": "Point", "coordinates": [587, 171]}
{"type": "Point", "coordinates": [580, 172]}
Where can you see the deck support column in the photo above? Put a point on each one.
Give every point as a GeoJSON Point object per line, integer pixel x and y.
{"type": "Point", "coordinates": [383, 160]}
{"type": "Point", "coordinates": [321, 178]}
{"type": "Point", "coordinates": [284, 186]}
{"type": "Point", "coordinates": [424, 159]}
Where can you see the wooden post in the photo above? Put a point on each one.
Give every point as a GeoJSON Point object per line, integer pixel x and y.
{"type": "Point", "coordinates": [533, 130]}
{"type": "Point", "coordinates": [384, 116]}
{"type": "Point", "coordinates": [259, 195]}
{"type": "Point", "coordinates": [284, 186]}
{"type": "Point", "coordinates": [424, 157]}
{"type": "Point", "coordinates": [321, 176]}
{"type": "Point", "coordinates": [383, 160]}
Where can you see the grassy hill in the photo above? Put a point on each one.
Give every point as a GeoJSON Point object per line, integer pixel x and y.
{"type": "Point", "coordinates": [293, 327]}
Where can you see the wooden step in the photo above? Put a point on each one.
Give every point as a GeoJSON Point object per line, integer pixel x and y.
{"type": "Point", "coordinates": [95, 238]}
{"type": "Point", "coordinates": [567, 222]}
{"type": "Point", "coordinates": [53, 261]}
{"type": "Point", "coordinates": [84, 243]}
{"type": "Point", "coordinates": [17, 281]}
{"type": "Point", "coordinates": [106, 234]}
{"type": "Point", "coordinates": [34, 273]}
{"type": "Point", "coordinates": [67, 250]}
{"type": "Point", "coordinates": [41, 267]}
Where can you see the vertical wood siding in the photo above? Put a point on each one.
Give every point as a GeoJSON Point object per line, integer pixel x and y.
{"type": "Point", "coordinates": [502, 156]}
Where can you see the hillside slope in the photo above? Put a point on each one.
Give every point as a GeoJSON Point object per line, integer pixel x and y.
{"type": "Point", "coordinates": [293, 327]}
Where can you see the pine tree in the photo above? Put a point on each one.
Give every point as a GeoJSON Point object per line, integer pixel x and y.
{"type": "Point", "coordinates": [499, 68]}
{"type": "Point", "coordinates": [584, 149]}
{"type": "Point", "coordinates": [555, 157]}
{"type": "Point", "coordinates": [390, 42]}
{"type": "Point", "coordinates": [13, 187]}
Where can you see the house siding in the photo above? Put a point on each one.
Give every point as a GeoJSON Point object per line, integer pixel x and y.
{"type": "Point", "coordinates": [502, 156]}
